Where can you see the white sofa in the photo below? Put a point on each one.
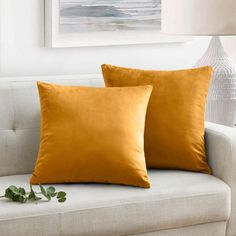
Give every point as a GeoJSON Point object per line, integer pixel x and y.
{"type": "Point", "coordinates": [179, 203]}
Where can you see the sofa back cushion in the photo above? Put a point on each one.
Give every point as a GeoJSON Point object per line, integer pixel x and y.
{"type": "Point", "coordinates": [20, 118]}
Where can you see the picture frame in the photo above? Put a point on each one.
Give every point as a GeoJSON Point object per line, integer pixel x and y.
{"type": "Point", "coordinates": [55, 39]}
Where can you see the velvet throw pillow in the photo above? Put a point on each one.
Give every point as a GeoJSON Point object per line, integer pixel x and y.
{"type": "Point", "coordinates": [174, 131]}
{"type": "Point", "coordinates": [92, 135]}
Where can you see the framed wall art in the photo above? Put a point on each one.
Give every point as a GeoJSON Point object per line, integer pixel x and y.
{"type": "Point", "coordinates": [78, 23]}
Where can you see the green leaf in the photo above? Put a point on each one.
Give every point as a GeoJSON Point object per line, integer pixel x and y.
{"type": "Point", "coordinates": [21, 198]}
{"type": "Point", "coordinates": [16, 194]}
{"type": "Point", "coordinates": [42, 189]}
{"type": "Point", "coordinates": [32, 195]}
{"type": "Point", "coordinates": [61, 194]}
{"type": "Point", "coordinates": [13, 188]}
{"type": "Point", "coordinates": [62, 199]}
{"type": "Point", "coordinates": [54, 194]}
{"type": "Point", "coordinates": [21, 191]}
{"type": "Point", "coordinates": [20, 195]}
{"type": "Point", "coordinates": [8, 193]}
{"type": "Point", "coordinates": [44, 192]}
{"type": "Point", "coordinates": [51, 191]}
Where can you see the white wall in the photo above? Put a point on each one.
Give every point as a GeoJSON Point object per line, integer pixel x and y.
{"type": "Point", "coordinates": [22, 49]}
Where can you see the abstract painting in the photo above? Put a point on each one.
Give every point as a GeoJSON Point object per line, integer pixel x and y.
{"type": "Point", "coordinates": [109, 15]}
{"type": "Point", "coordinates": [78, 23]}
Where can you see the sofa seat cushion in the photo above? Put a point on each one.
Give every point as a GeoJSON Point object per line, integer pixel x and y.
{"type": "Point", "coordinates": [176, 199]}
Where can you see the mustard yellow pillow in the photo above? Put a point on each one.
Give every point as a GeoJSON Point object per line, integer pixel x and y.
{"type": "Point", "coordinates": [174, 131]}
{"type": "Point", "coordinates": [92, 135]}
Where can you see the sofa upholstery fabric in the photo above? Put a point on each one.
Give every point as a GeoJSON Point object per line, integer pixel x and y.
{"type": "Point", "coordinates": [221, 152]}
{"type": "Point", "coordinates": [19, 140]}
{"type": "Point", "coordinates": [176, 199]}
{"type": "Point", "coordinates": [209, 229]}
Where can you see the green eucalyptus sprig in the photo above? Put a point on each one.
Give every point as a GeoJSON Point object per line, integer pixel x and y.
{"type": "Point", "coordinates": [18, 194]}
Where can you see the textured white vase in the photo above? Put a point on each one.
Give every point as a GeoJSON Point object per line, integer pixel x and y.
{"type": "Point", "coordinates": [221, 100]}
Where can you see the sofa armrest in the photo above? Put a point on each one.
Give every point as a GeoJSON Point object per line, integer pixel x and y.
{"type": "Point", "coordinates": [221, 155]}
